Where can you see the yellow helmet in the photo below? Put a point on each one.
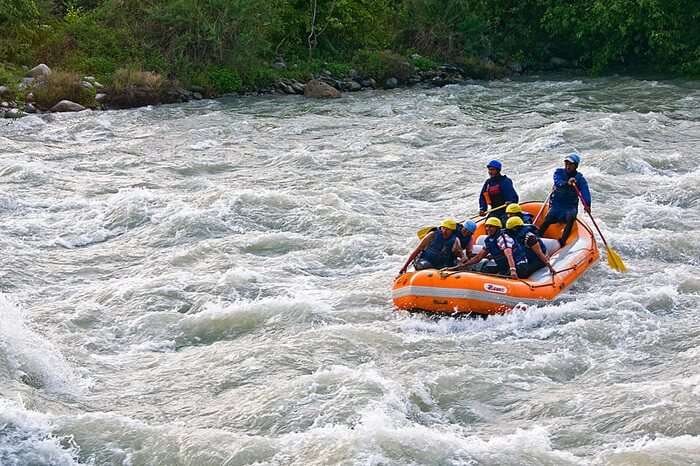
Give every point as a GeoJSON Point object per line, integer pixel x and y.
{"type": "Point", "coordinates": [514, 208]}
{"type": "Point", "coordinates": [514, 222]}
{"type": "Point", "coordinates": [493, 221]}
{"type": "Point", "coordinates": [449, 223]}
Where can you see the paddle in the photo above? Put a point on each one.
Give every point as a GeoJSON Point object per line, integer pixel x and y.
{"type": "Point", "coordinates": [614, 259]}
{"type": "Point", "coordinates": [544, 203]}
{"type": "Point", "coordinates": [425, 230]}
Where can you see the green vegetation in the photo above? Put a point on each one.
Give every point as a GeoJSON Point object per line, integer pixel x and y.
{"type": "Point", "coordinates": [230, 45]}
{"type": "Point", "coordinates": [63, 85]}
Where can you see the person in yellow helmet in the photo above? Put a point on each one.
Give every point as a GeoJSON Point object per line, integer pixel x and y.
{"type": "Point", "coordinates": [439, 248]}
{"type": "Point", "coordinates": [535, 250]}
{"type": "Point", "coordinates": [504, 250]}
{"type": "Point", "coordinates": [514, 210]}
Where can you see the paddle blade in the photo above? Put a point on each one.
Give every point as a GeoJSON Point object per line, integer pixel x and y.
{"type": "Point", "coordinates": [424, 231]}
{"type": "Point", "coordinates": [615, 261]}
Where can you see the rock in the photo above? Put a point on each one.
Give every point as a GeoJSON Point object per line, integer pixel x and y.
{"type": "Point", "coordinates": [279, 65]}
{"type": "Point", "coordinates": [354, 86]}
{"type": "Point", "coordinates": [4, 90]}
{"type": "Point", "coordinates": [298, 87]}
{"type": "Point", "coordinates": [516, 67]}
{"type": "Point", "coordinates": [286, 87]}
{"type": "Point", "coordinates": [369, 83]}
{"type": "Point", "coordinates": [4, 105]}
{"type": "Point", "coordinates": [197, 89]}
{"type": "Point", "coordinates": [321, 90]}
{"type": "Point", "coordinates": [97, 85]}
{"type": "Point", "coordinates": [39, 72]}
{"type": "Point", "coordinates": [354, 75]}
{"type": "Point", "coordinates": [25, 83]}
{"type": "Point", "coordinates": [30, 108]}
{"type": "Point", "coordinates": [100, 98]}
{"type": "Point", "coordinates": [29, 97]}
{"type": "Point", "coordinates": [391, 83]}
{"type": "Point", "coordinates": [86, 85]}
{"type": "Point", "coordinates": [90, 79]}
{"type": "Point", "coordinates": [558, 62]}
{"type": "Point", "coordinates": [14, 113]}
{"type": "Point", "coordinates": [197, 96]}
{"type": "Point", "coordinates": [67, 106]}
{"type": "Point", "coordinates": [415, 79]}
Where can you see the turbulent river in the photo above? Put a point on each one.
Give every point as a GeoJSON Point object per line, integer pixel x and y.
{"type": "Point", "coordinates": [209, 283]}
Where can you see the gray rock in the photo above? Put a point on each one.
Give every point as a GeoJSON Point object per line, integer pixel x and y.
{"type": "Point", "coordinates": [25, 83]}
{"type": "Point", "coordinates": [30, 108]}
{"type": "Point", "coordinates": [319, 89]}
{"type": "Point", "coordinates": [197, 96]}
{"type": "Point", "coordinates": [97, 85]}
{"type": "Point", "coordinates": [4, 104]}
{"type": "Point", "coordinates": [558, 62]}
{"type": "Point", "coordinates": [4, 90]}
{"type": "Point", "coordinates": [354, 75]}
{"type": "Point", "coordinates": [86, 85]}
{"type": "Point", "coordinates": [100, 98]}
{"type": "Point", "coordinates": [198, 89]}
{"type": "Point", "coordinates": [369, 83]}
{"type": "Point", "coordinates": [286, 88]}
{"type": "Point", "coordinates": [39, 72]}
{"type": "Point", "coordinates": [14, 113]}
{"type": "Point", "coordinates": [298, 87]}
{"type": "Point", "coordinates": [29, 97]}
{"type": "Point", "coordinates": [354, 86]}
{"type": "Point", "coordinates": [391, 83]}
{"type": "Point", "coordinates": [90, 79]}
{"type": "Point", "coordinates": [67, 106]}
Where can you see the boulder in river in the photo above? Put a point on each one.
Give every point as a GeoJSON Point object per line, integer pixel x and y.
{"type": "Point", "coordinates": [391, 83]}
{"type": "Point", "coordinates": [67, 106]}
{"type": "Point", "coordinates": [321, 90]}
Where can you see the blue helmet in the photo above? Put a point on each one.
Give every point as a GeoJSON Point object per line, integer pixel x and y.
{"type": "Point", "coordinates": [494, 164]}
{"type": "Point", "coordinates": [573, 158]}
{"type": "Point", "coordinates": [470, 226]}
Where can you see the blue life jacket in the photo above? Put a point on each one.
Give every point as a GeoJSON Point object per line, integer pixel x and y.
{"type": "Point", "coordinates": [519, 236]}
{"type": "Point", "coordinates": [564, 196]}
{"type": "Point", "coordinates": [439, 252]}
{"type": "Point", "coordinates": [491, 245]}
{"type": "Point", "coordinates": [500, 190]}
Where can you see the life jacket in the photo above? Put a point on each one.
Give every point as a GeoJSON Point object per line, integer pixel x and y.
{"type": "Point", "coordinates": [493, 246]}
{"type": "Point", "coordinates": [520, 235]}
{"type": "Point", "coordinates": [439, 252]}
{"type": "Point", "coordinates": [526, 217]}
{"type": "Point", "coordinates": [494, 191]}
{"type": "Point", "coordinates": [565, 197]}
{"type": "Point", "coordinates": [465, 237]}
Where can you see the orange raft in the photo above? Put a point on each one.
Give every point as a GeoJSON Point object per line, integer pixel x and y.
{"type": "Point", "coordinates": [472, 292]}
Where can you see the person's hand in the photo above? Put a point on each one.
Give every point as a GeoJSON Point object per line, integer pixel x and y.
{"type": "Point", "coordinates": [482, 213]}
{"type": "Point", "coordinates": [513, 273]}
{"type": "Point", "coordinates": [572, 181]}
{"type": "Point", "coordinates": [402, 271]}
{"type": "Point", "coordinates": [587, 208]}
{"type": "Point", "coordinates": [551, 270]}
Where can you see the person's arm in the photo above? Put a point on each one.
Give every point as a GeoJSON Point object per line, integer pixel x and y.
{"type": "Point", "coordinates": [427, 239]}
{"type": "Point", "coordinates": [483, 200]}
{"type": "Point", "coordinates": [469, 246]}
{"type": "Point", "coordinates": [475, 260]}
{"type": "Point", "coordinates": [509, 194]}
{"type": "Point", "coordinates": [585, 192]}
{"type": "Point", "coordinates": [560, 178]}
{"type": "Point", "coordinates": [457, 249]}
{"type": "Point", "coordinates": [543, 257]}
{"type": "Point", "coordinates": [508, 252]}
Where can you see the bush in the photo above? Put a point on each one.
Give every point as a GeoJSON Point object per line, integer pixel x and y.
{"type": "Point", "coordinates": [224, 80]}
{"type": "Point", "coordinates": [383, 65]}
{"type": "Point", "coordinates": [61, 85]}
{"type": "Point", "coordinates": [136, 88]}
{"type": "Point", "coordinates": [422, 63]}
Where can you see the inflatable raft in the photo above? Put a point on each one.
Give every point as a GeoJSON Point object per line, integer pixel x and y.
{"type": "Point", "coordinates": [472, 292]}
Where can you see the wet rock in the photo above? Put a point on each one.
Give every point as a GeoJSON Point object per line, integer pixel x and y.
{"type": "Point", "coordinates": [30, 108]}
{"type": "Point", "coordinates": [415, 79]}
{"type": "Point", "coordinates": [369, 83]}
{"type": "Point", "coordinates": [286, 88]}
{"type": "Point", "coordinates": [354, 86]}
{"type": "Point", "coordinates": [391, 83]}
{"type": "Point", "coordinates": [39, 72]}
{"type": "Point", "coordinates": [298, 87]}
{"type": "Point", "coordinates": [4, 90]}
{"type": "Point", "coordinates": [67, 106]}
{"type": "Point", "coordinates": [197, 89]}
{"type": "Point", "coordinates": [320, 89]}
{"type": "Point", "coordinates": [5, 104]}
{"type": "Point", "coordinates": [101, 98]}
{"type": "Point", "coordinates": [197, 96]}
{"type": "Point", "coordinates": [86, 85]}
{"type": "Point", "coordinates": [14, 113]}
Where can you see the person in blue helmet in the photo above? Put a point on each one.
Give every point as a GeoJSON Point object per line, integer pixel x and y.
{"type": "Point", "coordinates": [508, 254]}
{"type": "Point", "coordinates": [497, 191]}
{"type": "Point", "coordinates": [535, 249]}
{"type": "Point", "coordinates": [563, 204]}
{"type": "Point", "coordinates": [465, 233]}
{"type": "Point", "coordinates": [438, 249]}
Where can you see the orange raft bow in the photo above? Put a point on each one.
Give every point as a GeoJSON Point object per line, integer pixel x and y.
{"type": "Point", "coordinates": [471, 292]}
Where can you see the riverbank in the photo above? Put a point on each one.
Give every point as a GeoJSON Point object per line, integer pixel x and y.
{"type": "Point", "coordinates": [43, 90]}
